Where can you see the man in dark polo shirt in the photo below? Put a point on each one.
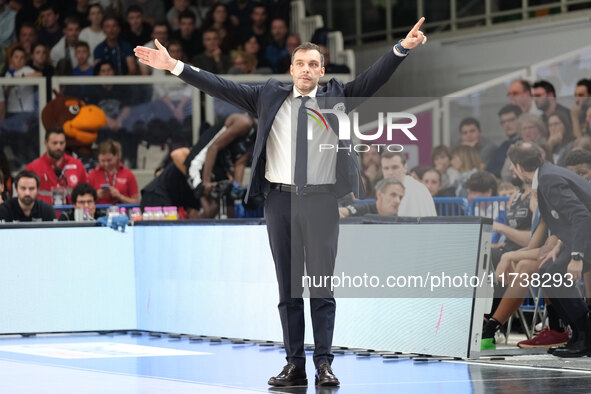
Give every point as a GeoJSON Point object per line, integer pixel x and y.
{"type": "Point", "coordinates": [25, 207]}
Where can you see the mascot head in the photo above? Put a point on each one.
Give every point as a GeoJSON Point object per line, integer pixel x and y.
{"type": "Point", "coordinates": [80, 122]}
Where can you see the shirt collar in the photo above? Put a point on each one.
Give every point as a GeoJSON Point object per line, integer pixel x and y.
{"type": "Point", "coordinates": [534, 183]}
{"type": "Point", "coordinates": [295, 93]}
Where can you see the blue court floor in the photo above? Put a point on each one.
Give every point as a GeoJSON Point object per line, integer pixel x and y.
{"type": "Point", "coordinates": [125, 363]}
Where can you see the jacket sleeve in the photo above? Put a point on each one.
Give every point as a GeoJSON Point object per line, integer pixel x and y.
{"type": "Point", "coordinates": [240, 95]}
{"type": "Point", "coordinates": [568, 204]}
{"type": "Point", "coordinates": [374, 77]}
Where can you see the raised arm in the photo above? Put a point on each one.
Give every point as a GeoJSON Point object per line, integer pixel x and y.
{"type": "Point", "coordinates": [240, 95]}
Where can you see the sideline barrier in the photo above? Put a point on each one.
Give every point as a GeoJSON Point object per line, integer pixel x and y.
{"type": "Point", "coordinates": [218, 278]}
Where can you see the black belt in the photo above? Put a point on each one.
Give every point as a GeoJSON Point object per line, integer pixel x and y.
{"type": "Point", "coordinates": [308, 189]}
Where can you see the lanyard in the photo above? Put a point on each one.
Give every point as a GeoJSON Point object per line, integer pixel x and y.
{"type": "Point", "coordinates": [114, 178]}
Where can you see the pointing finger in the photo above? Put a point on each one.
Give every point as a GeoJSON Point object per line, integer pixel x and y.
{"type": "Point", "coordinates": [417, 26]}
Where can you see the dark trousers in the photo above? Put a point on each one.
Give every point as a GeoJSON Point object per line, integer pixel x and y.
{"type": "Point", "coordinates": [566, 300]}
{"type": "Point", "coordinates": [303, 231]}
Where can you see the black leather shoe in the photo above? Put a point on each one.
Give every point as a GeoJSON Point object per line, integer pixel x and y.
{"type": "Point", "coordinates": [325, 376]}
{"type": "Point", "coordinates": [578, 348]}
{"type": "Point", "coordinates": [290, 376]}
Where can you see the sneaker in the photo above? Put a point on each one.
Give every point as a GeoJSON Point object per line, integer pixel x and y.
{"type": "Point", "coordinates": [546, 338]}
{"type": "Point", "coordinates": [488, 344]}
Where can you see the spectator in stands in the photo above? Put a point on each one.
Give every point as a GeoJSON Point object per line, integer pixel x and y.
{"type": "Point", "coordinates": [431, 178]}
{"type": "Point", "coordinates": [58, 171]}
{"type": "Point", "coordinates": [113, 182]}
{"type": "Point", "coordinates": [471, 135]}
{"type": "Point", "coordinates": [154, 11]}
{"type": "Point", "coordinates": [370, 167]}
{"type": "Point", "coordinates": [561, 136]}
{"type": "Point", "coordinates": [545, 99]}
{"type": "Point", "coordinates": [3, 193]}
{"type": "Point", "coordinates": [508, 116]}
{"type": "Point", "coordinates": [252, 46]}
{"type": "Point", "coordinates": [213, 59]}
{"type": "Point", "coordinates": [160, 32]}
{"type": "Point", "coordinates": [240, 12]}
{"type": "Point", "coordinates": [441, 161]}
{"type": "Point", "coordinates": [83, 197]}
{"type": "Point", "coordinates": [331, 68]}
{"type": "Point", "coordinates": [418, 201]}
{"type": "Point", "coordinates": [531, 128]}
{"type": "Point", "coordinates": [93, 34]}
{"type": "Point", "coordinates": [82, 55]}
{"type": "Point", "coordinates": [115, 50]}
{"type": "Point", "coordinates": [188, 34]}
{"type": "Point", "coordinates": [243, 63]}
{"type": "Point", "coordinates": [259, 26]}
{"type": "Point", "coordinates": [465, 160]}
{"type": "Point", "coordinates": [480, 184]}
{"type": "Point", "coordinates": [7, 33]}
{"type": "Point", "coordinates": [63, 53]}
{"type": "Point", "coordinates": [115, 100]}
{"type": "Point", "coordinates": [174, 13]}
{"type": "Point", "coordinates": [507, 189]}
{"type": "Point", "coordinates": [25, 207]}
{"type": "Point", "coordinates": [20, 99]}
{"type": "Point", "coordinates": [583, 143]}
{"type": "Point", "coordinates": [51, 30]}
{"type": "Point", "coordinates": [27, 39]}
{"type": "Point", "coordinates": [218, 19]}
{"type": "Point", "coordinates": [389, 195]}
{"type": "Point", "coordinates": [520, 94]}
{"type": "Point", "coordinates": [417, 171]}
{"type": "Point", "coordinates": [565, 205]}
{"type": "Point", "coordinates": [79, 10]}
{"type": "Point", "coordinates": [6, 174]}
{"type": "Point", "coordinates": [135, 31]}
{"type": "Point", "coordinates": [579, 162]}
{"type": "Point", "coordinates": [40, 61]}
{"type": "Point", "coordinates": [579, 110]}
{"type": "Point", "coordinates": [276, 51]}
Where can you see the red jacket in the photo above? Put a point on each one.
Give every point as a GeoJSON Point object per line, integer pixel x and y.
{"type": "Point", "coordinates": [71, 173]}
{"type": "Point", "coordinates": [123, 180]}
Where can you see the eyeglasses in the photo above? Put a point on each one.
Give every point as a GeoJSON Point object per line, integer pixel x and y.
{"type": "Point", "coordinates": [505, 121]}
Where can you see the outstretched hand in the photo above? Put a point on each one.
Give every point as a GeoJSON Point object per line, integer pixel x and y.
{"type": "Point", "coordinates": [415, 36]}
{"type": "Point", "coordinates": [157, 58]}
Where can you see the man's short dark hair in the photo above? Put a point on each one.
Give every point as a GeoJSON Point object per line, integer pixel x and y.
{"type": "Point", "coordinates": [577, 157]}
{"type": "Point", "coordinates": [100, 7]}
{"type": "Point", "coordinates": [53, 130]}
{"type": "Point", "coordinates": [469, 121]}
{"type": "Point", "coordinates": [308, 46]}
{"type": "Point", "coordinates": [386, 154]}
{"type": "Point", "coordinates": [82, 44]}
{"type": "Point", "coordinates": [526, 154]}
{"type": "Point", "coordinates": [547, 86]}
{"type": "Point", "coordinates": [482, 181]}
{"type": "Point", "coordinates": [26, 174]}
{"type": "Point", "coordinates": [525, 85]}
{"type": "Point", "coordinates": [383, 183]}
{"type": "Point", "coordinates": [187, 14]}
{"type": "Point", "coordinates": [81, 189]}
{"type": "Point", "coordinates": [134, 8]}
{"type": "Point", "coordinates": [111, 16]}
{"type": "Point", "coordinates": [48, 6]}
{"type": "Point", "coordinates": [586, 83]}
{"type": "Point", "coordinates": [72, 20]}
{"type": "Point", "coordinates": [510, 108]}
{"type": "Point", "coordinates": [440, 150]}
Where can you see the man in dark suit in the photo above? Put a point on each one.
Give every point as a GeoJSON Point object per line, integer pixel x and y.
{"type": "Point", "coordinates": [564, 200]}
{"type": "Point", "coordinates": [301, 204]}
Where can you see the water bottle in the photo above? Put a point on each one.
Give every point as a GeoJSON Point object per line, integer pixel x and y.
{"type": "Point", "coordinates": [170, 213]}
{"type": "Point", "coordinates": [136, 214]}
{"type": "Point", "coordinates": [157, 213]}
{"type": "Point", "coordinates": [86, 216]}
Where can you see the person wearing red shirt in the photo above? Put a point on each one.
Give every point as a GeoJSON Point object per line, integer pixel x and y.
{"type": "Point", "coordinates": [114, 183]}
{"type": "Point", "coordinates": [57, 171]}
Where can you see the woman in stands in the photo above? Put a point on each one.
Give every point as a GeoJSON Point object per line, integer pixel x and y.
{"type": "Point", "coordinates": [466, 161]}
{"type": "Point", "coordinates": [561, 137]}
{"type": "Point", "coordinates": [114, 183]}
{"type": "Point", "coordinates": [441, 160]}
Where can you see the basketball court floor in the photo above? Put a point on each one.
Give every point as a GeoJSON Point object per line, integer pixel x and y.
{"type": "Point", "coordinates": [140, 362]}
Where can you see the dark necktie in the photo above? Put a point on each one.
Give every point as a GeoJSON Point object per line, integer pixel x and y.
{"type": "Point", "coordinates": [301, 160]}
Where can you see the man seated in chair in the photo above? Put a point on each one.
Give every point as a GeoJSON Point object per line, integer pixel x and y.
{"type": "Point", "coordinates": [389, 193]}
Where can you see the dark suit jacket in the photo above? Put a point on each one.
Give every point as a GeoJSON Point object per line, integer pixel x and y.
{"type": "Point", "coordinates": [565, 204]}
{"type": "Point", "coordinates": [264, 100]}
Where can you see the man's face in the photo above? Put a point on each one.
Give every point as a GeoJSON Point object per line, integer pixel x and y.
{"type": "Point", "coordinates": [371, 157]}
{"type": "Point", "coordinates": [111, 29]}
{"type": "Point", "coordinates": [49, 19]}
{"type": "Point", "coordinates": [26, 191]}
{"type": "Point", "coordinates": [542, 98]}
{"type": "Point", "coordinates": [56, 146]}
{"type": "Point", "coordinates": [278, 30]}
{"type": "Point", "coordinates": [161, 33]}
{"type": "Point", "coordinates": [392, 167]}
{"type": "Point", "coordinates": [240, 63]}
{"type": "Point", "coordinates": [175, 51]}
{"type": "Point", "coordinates": [259, 16]}
{"type": "Point", "coordinates": [518, 95]}
{"type": "Point", "coordinates": [472, 194]}
{"type": "Point", "coordinates": [86, 201]}
{"type": "Point", "coordinates": [581, 95]}
{"type": "Point", "coordinates": [27, 36]}
{"type": "Point", "coordinates": [509, 123]}
{"type": "Point", "coordinates": [292, 43]}
{"type": "Point", "coordinates": [306, 70]}
{"type": "Point", "coordinates": [18, 60]}
{"type": "Point", "coordinates": [95, 16]}
{"type": "Point", "coordinates": [433, 182]}
{"type": "Point", "coordinates": [470, 135]}
{"type": "Point", "coordinates": [388, 199]}
{"type": "Point", "coordinates": [82, 54]}
{"type": "Point", "coordinates": [518, 171]}
{"type": "Point", "coordinates": [186, 27]}
{"type": "Point", "coordinates": [72, 31]}
{"type": "Point", "coordinates": [582, 169]}
{"type": "Point", "coordinates": [211, 41]}
{"type": "Point", "coordinates": [181, 5]}
{"type": "Point", "coordinates": [134, 19]}
{"type": "Point", "coordinates": [106, 70]}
